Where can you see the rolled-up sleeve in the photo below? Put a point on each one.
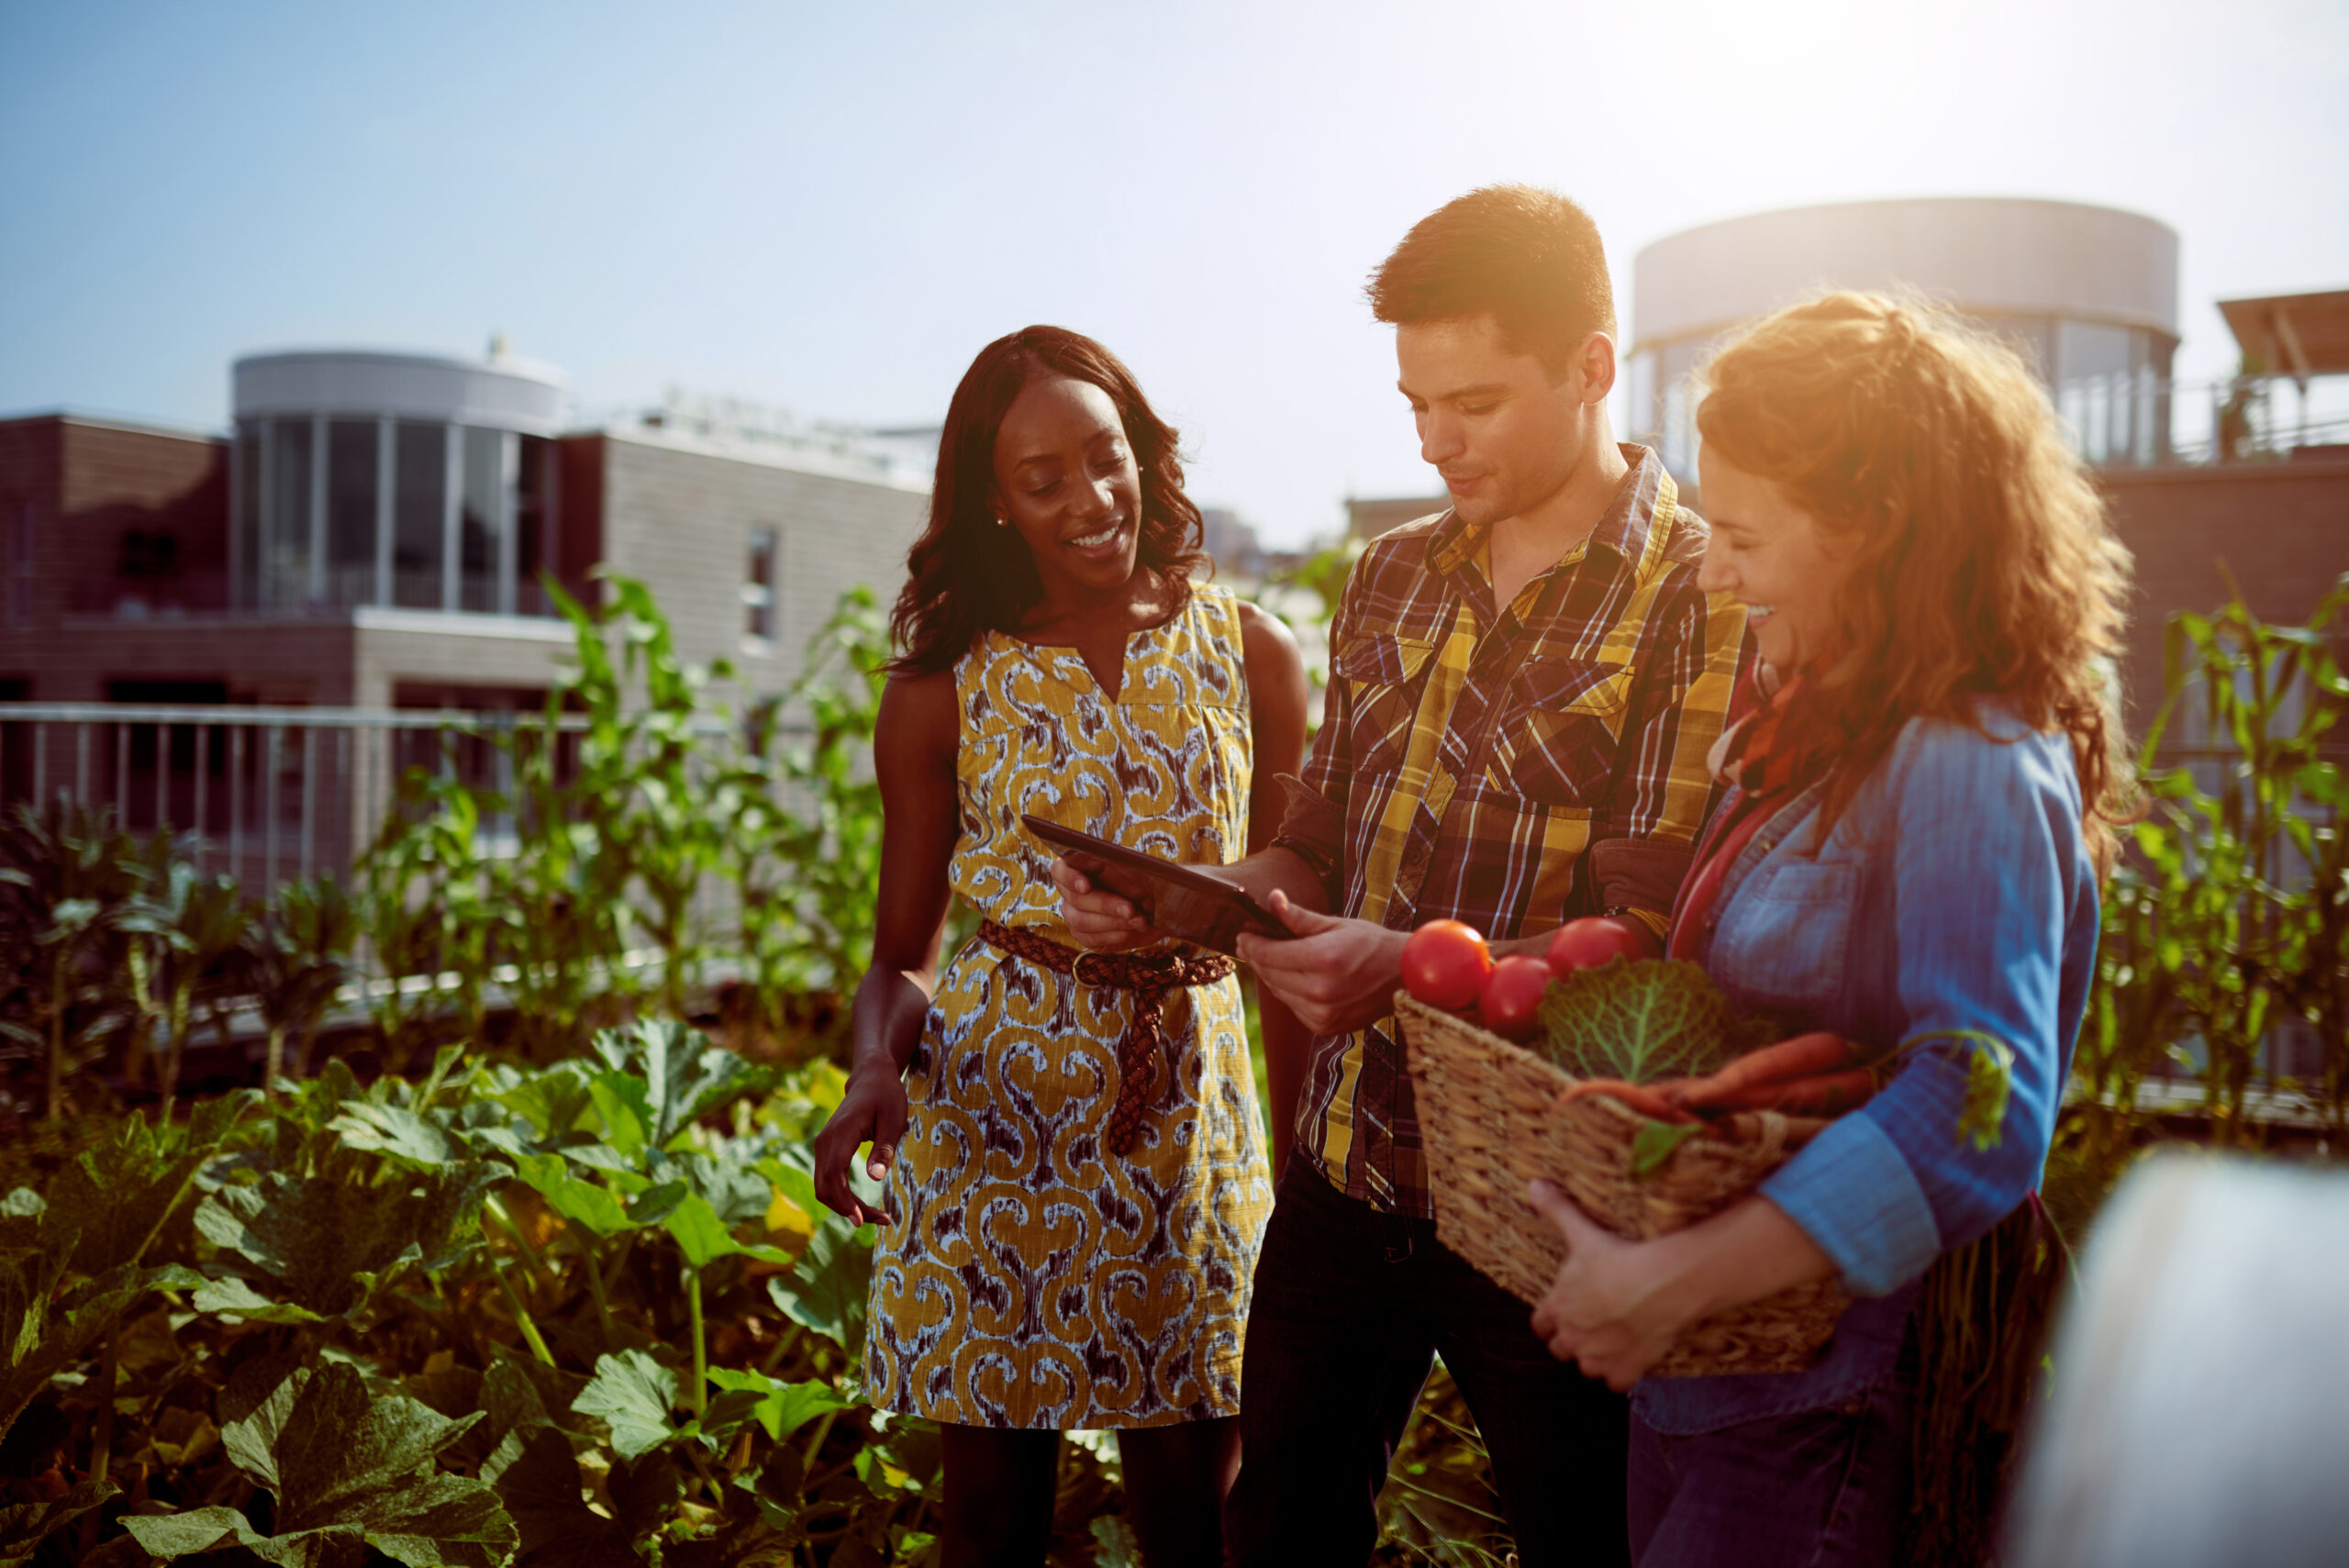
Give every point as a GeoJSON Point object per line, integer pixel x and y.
{"type": "Point", "coordinates": [1989, 872]}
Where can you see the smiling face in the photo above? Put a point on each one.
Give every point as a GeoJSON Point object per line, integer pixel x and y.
{"type": "Point", "coordinates": [1772, 557]}
{"type": "Point", "coordinates": [1505, 433]}
{"type": "Point", "coordinates": [1066, 479]}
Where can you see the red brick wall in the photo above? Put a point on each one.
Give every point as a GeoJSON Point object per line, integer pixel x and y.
{"type": "Point", "coordinates": [28, 475]}
{"type": "Point", "coordinates": [2281, 529]}
{"type": "Point", "coordinates": [119, 481]}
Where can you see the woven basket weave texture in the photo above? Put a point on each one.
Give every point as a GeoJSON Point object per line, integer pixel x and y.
{"type": "Point", "coordinates": [1484, 1120]}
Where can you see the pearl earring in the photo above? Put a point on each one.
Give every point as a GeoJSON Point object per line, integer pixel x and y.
{"type": "Point", "coordinates": [1001, 524]}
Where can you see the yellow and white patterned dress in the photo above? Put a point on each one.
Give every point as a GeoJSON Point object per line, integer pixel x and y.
{"type": "Point", "coordinates": [1029, 1277]}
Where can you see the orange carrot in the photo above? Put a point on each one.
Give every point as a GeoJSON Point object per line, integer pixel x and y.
{"type": "Point", "coordinates": [1803, 1056]}
{"type": "Point", "coordinates": [1821, 1093]}
{"type": "Point", "coordinates": [1640, 1097]}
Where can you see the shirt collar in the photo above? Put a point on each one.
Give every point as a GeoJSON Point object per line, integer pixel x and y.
{"type": "Point", "coordinates": [1629, 526]}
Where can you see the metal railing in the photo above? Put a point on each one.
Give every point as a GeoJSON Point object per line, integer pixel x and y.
{"type": "Point", "coordinates": [264, 792]}
{"type": "Point", "coordinates": [2136, 419]}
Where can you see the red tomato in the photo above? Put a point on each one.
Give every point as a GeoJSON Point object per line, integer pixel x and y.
{"type": "Point", "coordinates": [1510, 1002]}
{"type": "Point", "coordinates": [1588, 943]}
{"type": "Point", "coordinates": [1444, 965]}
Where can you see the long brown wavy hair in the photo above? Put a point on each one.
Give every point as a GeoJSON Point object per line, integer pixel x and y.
{"type": "Point", "coordinates": [1983, 561]}
{"type": "Point", "coordinates": [964, 576]}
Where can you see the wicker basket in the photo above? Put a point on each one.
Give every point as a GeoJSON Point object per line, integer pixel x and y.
{"type": "Point", "coordinates": [1485, 1117]}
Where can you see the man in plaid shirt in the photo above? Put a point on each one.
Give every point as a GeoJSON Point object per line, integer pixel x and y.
{"type": "Point", "coordinates": [1522, 693]}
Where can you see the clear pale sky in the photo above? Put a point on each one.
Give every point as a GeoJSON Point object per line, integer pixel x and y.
{"type": "Point", "coordinates": [833, 206]}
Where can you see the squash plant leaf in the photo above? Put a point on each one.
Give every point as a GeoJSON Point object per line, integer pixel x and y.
{"type": "Point", "coordinates": [537, 1479]}
{"type": "Point", "coordinates": [668, 1077]}
{"type": "Point", "coordinates": [23, 1526]}
{"type": "Point", "coordinates": [1642, 1019]}
{"type": "Point", "coordinates": [43, 1332]}
{"type": "Point", "coordinates": [327, 1246]}
{"type": "Point", "coordinates": [826, 1290]}
{"type": "Point", "coordinates": [783, 1407]}
{"type": "Point", "coordinates": [582, 1203]}
{"type": "Point", "coordinates": [351, 1474]}
{"type": "Point", "coordinates": [396, 1133]}
{"type": "Point", "coordinates": [116, 1198]}
{"type": "Point", "coordinates": [635, 1394]}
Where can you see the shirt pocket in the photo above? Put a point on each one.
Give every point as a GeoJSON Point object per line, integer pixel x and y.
{"type": "Point", "coordinates": [1785, 937]}
{"type": "Point", "coordinates": [1559, 736]}
{"type": "Point", "coordinates": [1384, 672]}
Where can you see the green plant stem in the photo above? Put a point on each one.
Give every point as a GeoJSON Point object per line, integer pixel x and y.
{"type": "Point", "coordinates": [790, 1337]}
{"type": "Point", "coordinates": [522, 1318]}
{"type": "Point", "coordinates": [102, 1432]}
{"type": "Point", "coordinates": [521, 1242]}
{"type": "Point", "coordinates": [57, 1004]}
{"type": "Point", "coordinates": [595, 1286]}
{"type": "Point", "coordinates": [700, 1400]}
{"type": "Point", "coordinates": [816, 1442]}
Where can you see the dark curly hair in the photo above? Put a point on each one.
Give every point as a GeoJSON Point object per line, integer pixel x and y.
{"type": "Point", "coordinates": [963, 575]}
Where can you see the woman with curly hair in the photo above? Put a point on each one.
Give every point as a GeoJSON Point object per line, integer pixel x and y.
{"type": "Point", "coordinates": [1076, 1182]}
{"type": "Point", "coordinates": [1919, 810]}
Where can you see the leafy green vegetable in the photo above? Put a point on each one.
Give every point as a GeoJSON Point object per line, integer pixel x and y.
{"type": "Point", "coordinates": [349, 1475]}
{"type": "Point", "coordinates": [538, 1483]}
{"type": "Point", "coordinates": [23, 1526]}
{"type": "Point", "coordinates": [1642, 1019]}
{"type": "Point", "coordinates": [328, 1246]}
{"type": "Point", "coordinates": [1655, 1141]}
{"type": "Point", "coordinates": [1989, 1082]}
{"type": "Point", "coordinates": [783, 1407]}
{"type": "Point", "coordinates": [636, 1395]}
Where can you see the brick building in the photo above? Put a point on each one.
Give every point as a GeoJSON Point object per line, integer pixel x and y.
{"type": "Point", "coordinates": [374, 535]}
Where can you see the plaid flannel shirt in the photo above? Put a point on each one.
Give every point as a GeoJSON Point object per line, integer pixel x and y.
{"type": "Point", "coordinates": [1510, 769]}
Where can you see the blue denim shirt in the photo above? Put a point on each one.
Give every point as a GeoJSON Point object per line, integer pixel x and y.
{"type": "Point", "coordinates": [1955, 893]}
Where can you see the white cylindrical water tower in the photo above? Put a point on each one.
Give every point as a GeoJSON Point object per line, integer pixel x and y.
{"type": "Point", "coordinates": [2088, 293]}
{"type": "Point", "coordinates": [397, 480]}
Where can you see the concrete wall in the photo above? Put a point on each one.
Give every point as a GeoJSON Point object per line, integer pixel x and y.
{"type": "Point", "coordinates": [2280, 528]}
{"type": "Point", "coordinates": [679, 520]}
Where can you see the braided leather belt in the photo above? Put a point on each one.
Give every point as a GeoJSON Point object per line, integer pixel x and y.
{"type": "Point", "coordinates": [1148, 975]}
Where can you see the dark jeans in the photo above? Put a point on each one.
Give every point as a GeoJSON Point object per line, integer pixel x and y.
{"type": "Point", "coordinates": [1821, 1489]}
{"type": "Point", "coordinates": [1350, 1304]}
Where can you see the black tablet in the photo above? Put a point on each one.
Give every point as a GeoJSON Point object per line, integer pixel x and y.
{"type": "Point", "coordinates": [1184, 901]}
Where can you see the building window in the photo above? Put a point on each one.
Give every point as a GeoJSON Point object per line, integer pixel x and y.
{"type": "Point", "coordinates": [351, 451]}
{"type": "Point", "coordinates": [758, 587]}
{"type": "Point", "coordinates": [286, 516]}
{"type": "Point", "coordinates": [420, 506]}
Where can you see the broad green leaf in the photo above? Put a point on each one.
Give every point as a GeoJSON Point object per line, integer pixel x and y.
{"type": "Point", "coordinates": [624, 1102]}
{"type": "Point", "coordinates": [337, 1458]}
{"type": "Point", "coordinates": [783, 1407]}
{"type": "Point", "coordinates": [635, 1394]}
{"type": "Point", "coordinates": [234, 1296]}
{"type": "Point", "coordinates": [23, 1526]}
{"type": "Point", "coordinates": [582, 1203]}
{"type": "Point", "coordinates": [327, 1246]}
{"type": "Point", "coordinates": [555, 1102]}
{"type": "Point", "coordinates": [704, 1237]}
{"type": "Point", "coordinates": [827, 1289]}
{"type": "Point", "coordinates": [396, 1133]}
{"type": "Point", "coordinates": [537, 1482]}
{"type": "Point", "coordinates": [117, 1196]}
{"type": "Point", "coordinates": [1655, 1141]}
{"type": "Point", "coordinates": [678, 1077]}
{"type": "Point", "coordinates": [1642, 1019]}
{"type": "Point", "coordinates": [43, 1332]}
{"type": "Point", "coordinates": [1115, 1544]}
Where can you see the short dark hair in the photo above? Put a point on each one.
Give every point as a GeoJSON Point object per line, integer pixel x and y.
{"type": "Point", "coordinates": [964, 576]}
{"type": "Point", "coordinates": [1528, 256]}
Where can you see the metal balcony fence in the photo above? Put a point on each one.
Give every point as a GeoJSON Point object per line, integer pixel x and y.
{"type": "Point", "coordinates": [267, 794]}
